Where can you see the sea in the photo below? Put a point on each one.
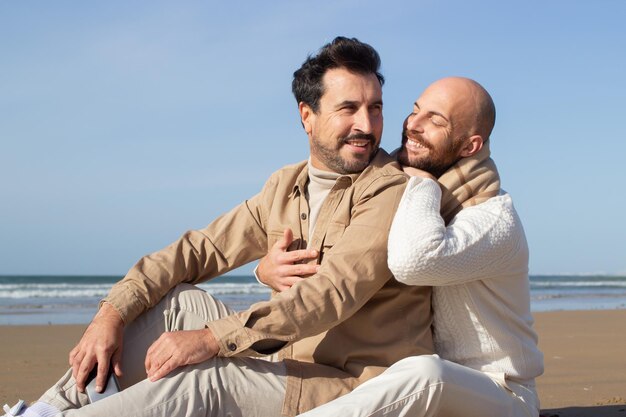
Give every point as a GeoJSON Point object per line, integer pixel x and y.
{"type": "Point", "coordinates": [35, 299]}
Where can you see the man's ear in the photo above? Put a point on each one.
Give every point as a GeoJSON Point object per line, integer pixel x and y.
{"type": "Point", "coordinates": [471, 146]}
{"type": "Point", "coordinates": [306, 116]}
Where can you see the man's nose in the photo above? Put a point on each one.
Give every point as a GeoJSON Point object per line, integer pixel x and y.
{"type": "Point", "coordinates": [414, 123]}
{"type": "Point", "coordinates": [363, 121]}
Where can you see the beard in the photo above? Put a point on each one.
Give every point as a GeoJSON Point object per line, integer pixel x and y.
{"type": "Point", "coordinates": [436, 161]}
{"type": "Point", "coordinates": [331, 157]}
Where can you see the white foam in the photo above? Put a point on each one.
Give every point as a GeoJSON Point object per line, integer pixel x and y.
{"type": "Point", "coordinates": [557, 284]}
{"type": "Point", "coordinates": [22, 291]}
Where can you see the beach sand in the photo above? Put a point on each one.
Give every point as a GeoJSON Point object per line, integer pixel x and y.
{"type": "Point", "coordinates": [585, 361]}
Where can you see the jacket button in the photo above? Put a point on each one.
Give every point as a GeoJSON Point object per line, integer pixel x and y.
{"type": "Point", "coordinates": [232, 347]}
{"type": "Point", "coordinates": [303, 216]}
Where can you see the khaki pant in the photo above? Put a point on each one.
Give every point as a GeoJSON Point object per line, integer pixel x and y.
{"type": "Point", "coordinates": [234, 387]}
{"type": "Point", "coordinates": [428, 386]}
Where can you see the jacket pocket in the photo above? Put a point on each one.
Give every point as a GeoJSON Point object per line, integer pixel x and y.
{"type": "Point", "coordinates": [333, 234]}
{"type": "Point", "coordinates": [275, 236]}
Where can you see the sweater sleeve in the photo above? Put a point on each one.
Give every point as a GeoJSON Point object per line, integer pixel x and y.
{"type": "Point", "coordinates": [475, 245]}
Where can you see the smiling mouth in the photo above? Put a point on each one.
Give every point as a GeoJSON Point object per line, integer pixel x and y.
{"type": "Point", "coordinates": [414, 145]}
{"type": "Point", "coordinates": [360, 143]}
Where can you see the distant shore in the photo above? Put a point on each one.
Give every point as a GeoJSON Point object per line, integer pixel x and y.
{"type": "Point", "coordinates": [584, 361]}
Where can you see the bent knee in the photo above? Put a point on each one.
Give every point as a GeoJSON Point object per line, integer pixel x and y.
{"type": "Point", "coordinates": [427, 368]}
{"type": "Point", "coordinates": [189, 307]}
{"type": "Point", "coordinates": [182, 289]}
{"type": "Point", "coordinates": [187, 297]}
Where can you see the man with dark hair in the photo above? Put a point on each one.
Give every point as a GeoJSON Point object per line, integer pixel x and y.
{"type": "Point", "coordinates": [307, 85]}
{"type": "Point", "coordinates": [177, 351]}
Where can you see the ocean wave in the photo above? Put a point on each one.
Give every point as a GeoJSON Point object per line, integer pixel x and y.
{"type": "Point", "coordinates": [20, 289]}
{"type": "Point", "coordinates": [235, 289]}
{"type": "Point", "coordinates": [54, 293]}
{"type": "Point", "coordinates": [578, 284]}
{"type": "Point", "coordinates": [24, 291]}
{"type": "Point", "coordinates": [544, 296]}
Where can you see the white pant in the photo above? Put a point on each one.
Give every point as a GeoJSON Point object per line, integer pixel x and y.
{"type": "Point", "coordinates": [422, 386]}
{"type": "Point", "coordinates": [234, 387]}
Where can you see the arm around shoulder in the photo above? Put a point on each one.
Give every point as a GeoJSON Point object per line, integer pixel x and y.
{"type": "Point", "coordinates": [477, 244]}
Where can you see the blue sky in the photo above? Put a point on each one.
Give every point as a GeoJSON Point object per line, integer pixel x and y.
{"type": "Point", "coordinates": [123, 124]}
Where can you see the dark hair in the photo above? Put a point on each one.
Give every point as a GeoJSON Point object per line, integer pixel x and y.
{"type": "Point", "coordinates": [351, 54]}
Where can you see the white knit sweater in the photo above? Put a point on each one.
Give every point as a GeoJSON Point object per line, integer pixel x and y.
{"type": "Point", "coordinates": [478, 267]}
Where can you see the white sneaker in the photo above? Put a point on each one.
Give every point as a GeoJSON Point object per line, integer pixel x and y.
{"type": "Point", "coordinates": [14, 411]}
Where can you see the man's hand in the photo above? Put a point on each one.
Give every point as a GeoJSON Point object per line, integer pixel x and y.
{"type": "Point", "coordinates": [175, 349]}
{"type": "Point", "coordinates": [102, 344]}
{"type": "Point", "coordinates": [278, 268]}
{"type": "Point", "coordinates": [414, 172]}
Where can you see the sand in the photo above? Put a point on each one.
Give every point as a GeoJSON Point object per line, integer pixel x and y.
{"type": "Point", "coordinates": [585, 361]}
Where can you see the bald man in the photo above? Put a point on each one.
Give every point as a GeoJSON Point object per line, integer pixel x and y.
{"type": "Point", "coordinates": [476, 260]}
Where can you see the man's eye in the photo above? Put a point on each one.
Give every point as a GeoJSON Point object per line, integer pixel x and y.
{"type": "Point", "coordinates": [438, 121]}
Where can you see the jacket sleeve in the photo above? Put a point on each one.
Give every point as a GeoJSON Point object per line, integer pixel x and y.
{"type": "Point", "coordinates": [478, 243]}
{"type": "Point", "coordinates": [351, 272]}
{"type": "Point", "coordinates": [232, 240]}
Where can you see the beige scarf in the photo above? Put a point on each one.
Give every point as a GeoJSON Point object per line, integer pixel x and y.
{"type": "Point", "coordinates": [470, 181]}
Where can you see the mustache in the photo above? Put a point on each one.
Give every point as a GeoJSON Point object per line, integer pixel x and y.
{"type": "Point", "coordinates": [364, 136]}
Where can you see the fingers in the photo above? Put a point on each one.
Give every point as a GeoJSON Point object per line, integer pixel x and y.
{"type": "Point", "coordinates": [296, 256]}
{"type": "Point", "coordinates": [280, 267]}
{"type": "Point", "coordinates": [73, 354]}
{"type": "Point", "coordinates": [284, 243]}
{"type": "Point", "coordinates": [170, 364]}
{"type": "Point", "coordinates": [76, 371]}
{"type": "Point", "coordinates": [287, 237]}
{"type": "Point", "coordinates": [160, 358]}
{"type": "Point", "coordinates": [149, 355]}
{"type": "Point", "coordinates": [297, 270]}
{"type": "Point", "coordinates": [84, 369]}
{"type": "Point", "coordinates": [175, 349]}
{"type": "Point", "coordinates": [157, 354]}
{"type": "Point", "coordinates": [116, 362]}
{"type": "Point", "coordinates": [77, 360]}
{"type": "Point", "coordinates": [284, 256]}
{"type": "Point", "coordinates": [84, 358]}
{"type": "Point", "coordinates": [102, 339]}
{"type": "Point", "coordinates": [288, 282]}
{"type": "Point", "coordinates": [103, 370]}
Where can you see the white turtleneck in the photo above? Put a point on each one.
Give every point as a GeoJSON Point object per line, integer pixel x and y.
{"type": "Point", "coordinates": [317, 189]}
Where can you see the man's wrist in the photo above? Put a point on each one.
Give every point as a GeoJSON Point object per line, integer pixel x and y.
{"type": "Point", "coordinates": [256, 275]}
{"type": "Point", "coordinates": [108, 311]}
{"type": "Point", "coordinates": [212, 346]}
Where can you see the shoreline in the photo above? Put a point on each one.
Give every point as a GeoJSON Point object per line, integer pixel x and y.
{"type": "Point", "coordinates": [73, 299]}
{"type": "Point", "coordinates": [583, 353]}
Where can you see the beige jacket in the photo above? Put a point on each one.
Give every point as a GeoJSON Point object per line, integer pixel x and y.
{"type": "Point", "coordinates": [336, 329]}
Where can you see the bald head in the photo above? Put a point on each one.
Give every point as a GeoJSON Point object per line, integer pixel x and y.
{"type": "Point", "coordinates": [473, 104]}
{"type": "Point", "coordinates": [452, 119]}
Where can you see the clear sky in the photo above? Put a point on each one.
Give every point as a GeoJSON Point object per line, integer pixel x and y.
{"type": "Point", "coordinates": [125, 123]}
